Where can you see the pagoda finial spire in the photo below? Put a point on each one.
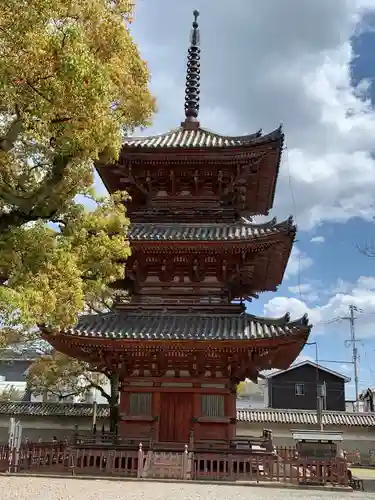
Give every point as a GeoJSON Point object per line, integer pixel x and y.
{"type": "Point", "coordinates": [192, 90]}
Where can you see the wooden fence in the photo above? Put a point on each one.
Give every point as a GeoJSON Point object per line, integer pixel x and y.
{"type": "Point", "coordinates": [285, 467]}
{"type": "Point", "coordinates": [271, 468]}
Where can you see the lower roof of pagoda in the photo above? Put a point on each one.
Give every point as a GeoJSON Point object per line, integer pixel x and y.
{"type": "Point", "coordinates": [238, 231]}
{"type": "Point", "coordinates": [125, 326]}
{"type": "Point", "coordinates": [199, 137]}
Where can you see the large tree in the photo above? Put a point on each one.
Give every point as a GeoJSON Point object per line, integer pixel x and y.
{"type": "Point", "coordinates": [71, 81]}
{"type": "Point", "coordinates": [62, 376]}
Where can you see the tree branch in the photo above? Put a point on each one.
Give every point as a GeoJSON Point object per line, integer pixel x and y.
{"type": "Point", "coordinates": [94, 385]}
{"type": "Point", "coordinates": [15, 129]}
{"type": "Point", "coordinates": [59, 394]}
{"type": "Point", "coordinates": [35, 205]}
{"type": "Point", "coordinates": [29, 84]}
{"type": "Point", "coordinates": [61, 120]}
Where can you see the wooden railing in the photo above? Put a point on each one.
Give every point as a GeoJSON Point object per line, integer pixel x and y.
{"type": "Point", "coordinates": [54, 459]}
{"type": "Point", "coordinates": [67, 460]}
{"type": "Point", "coordinates": [270, 468]}
{"type": "Point", "coordinates": [4, 458]}
{"type": "Point", "coordinates": [106, 462]}
{"type": "Point", "coordinates": [236, 465]}
{"type": "Point", "coordinates": [109, 440]}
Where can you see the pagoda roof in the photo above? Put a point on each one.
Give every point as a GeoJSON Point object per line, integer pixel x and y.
{"type": "Point", "coordinates": [198, 137]}
{"type": "Point", "coordinates": [208, 232]}
{"type": "Point", "coordinates": [176, 326]}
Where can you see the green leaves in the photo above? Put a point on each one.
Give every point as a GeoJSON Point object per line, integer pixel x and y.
{"type": "Point", "coordinates": [52, 272]}
{"type": "Point", "coordinates": [61, 376]}
{"type": "Point", "coordinates": [71, 80]}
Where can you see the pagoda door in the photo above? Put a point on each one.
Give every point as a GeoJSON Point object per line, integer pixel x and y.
{"type": "Point", "coordinates": [176, 417]}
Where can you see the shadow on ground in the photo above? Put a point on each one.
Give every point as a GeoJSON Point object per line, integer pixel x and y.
{"type": "Point", "coordinates": [369, 485]}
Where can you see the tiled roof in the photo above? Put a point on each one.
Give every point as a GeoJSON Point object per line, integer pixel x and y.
{"type": "Point", "coordinates": [52, 409]}
{"type": "Point", "coordinates": [266, 416]}
{"type": "Point", "coordinates": [208, 232]}
{"type": "Point", "coordinates": [307, 362]}
{"type": "Point", "coordinates": [305, 417]}
{"type": "Point", "coordinates": [200, 138]}
{"type": "Point", "coordinates": [164, 326]}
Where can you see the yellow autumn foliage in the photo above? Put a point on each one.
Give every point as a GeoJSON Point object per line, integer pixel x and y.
{"type": "Point", "coordinates": [71, 83]}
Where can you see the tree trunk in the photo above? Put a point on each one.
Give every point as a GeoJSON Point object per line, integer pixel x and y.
{"type": "Point", "coordinates": [114, 413]}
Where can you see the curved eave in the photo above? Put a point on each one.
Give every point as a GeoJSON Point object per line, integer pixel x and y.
{"type": "Point", "coordinates": [278, 163]}
{"type": "Point", "coordinates": [141, 148]}
{"type": "Point", "coordinates": [289, 353]}
{"type": "Point", "coordinates": [160, 328]}
{"type": "Point", "coordinates": [198, 139]}
{"type": "Point", "coordinates": [279, 342]}
{"type": "Point", "coordinates": [303, 321]}
{"type": "Point", "coordinates": [277, 353]}
{"type": "Point", "coordinates": [152, 233]}
{"type": "Point", "coordinates": [118, 342]}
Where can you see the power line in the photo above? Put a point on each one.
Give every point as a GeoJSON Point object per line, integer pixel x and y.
{"type": "Point", "coordinates": [295, 218]}
{"type": "Point", "coordinates": [346, 362]}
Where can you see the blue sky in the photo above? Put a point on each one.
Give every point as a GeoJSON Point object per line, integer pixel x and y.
{"type": "Point", "coordinates": [338, 257]}
{"type": "Point", "coordinates": [310, 65]}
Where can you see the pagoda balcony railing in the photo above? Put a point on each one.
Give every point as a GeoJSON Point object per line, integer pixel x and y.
{"type": "Point", "coordinates": [108, 440]}
{"type": "Point", "coordinates": [195, 299]}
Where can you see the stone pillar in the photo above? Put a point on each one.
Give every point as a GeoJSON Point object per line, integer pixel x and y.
{"type": "Point", "coordinates": [140, 460]}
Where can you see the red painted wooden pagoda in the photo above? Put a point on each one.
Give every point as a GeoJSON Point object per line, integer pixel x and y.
{"type": "Point", "coordinates": [184, 340]}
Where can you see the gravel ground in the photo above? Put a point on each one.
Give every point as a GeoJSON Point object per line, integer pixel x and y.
{"type": "Point", "coordinates": [24, 488]}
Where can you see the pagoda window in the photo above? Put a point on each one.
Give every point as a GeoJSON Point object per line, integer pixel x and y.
{"type": "Point", "coordinates": [213, 405]}
{"type": "Point", "coordinates": [140, 404]}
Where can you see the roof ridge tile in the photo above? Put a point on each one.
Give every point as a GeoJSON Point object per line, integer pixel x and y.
{"type": "Point", "coordinates": [200, 138]}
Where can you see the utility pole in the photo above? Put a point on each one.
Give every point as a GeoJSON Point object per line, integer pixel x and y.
{"type": "Point", "coordinates": [353, 343]}
{"type": "Point", "coordinates": [319, 396]}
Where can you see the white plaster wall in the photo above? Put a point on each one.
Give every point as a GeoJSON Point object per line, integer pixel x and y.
{"type": "Point", "coordinates": [254, 395]}
{"type": "Point", "coordinates": [46, 428]}
{"type": "Point", "coordinates": [8, 385]}
{"type": "Point", "coordinates": [95, 395]}
{"type": "Point", "coordinates": [361, 438]}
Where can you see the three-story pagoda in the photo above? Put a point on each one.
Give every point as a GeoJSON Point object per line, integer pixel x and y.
{"type": "Point", "coordinates": [184, 340]}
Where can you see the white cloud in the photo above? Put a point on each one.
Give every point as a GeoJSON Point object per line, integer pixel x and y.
{"type": "Point", "coordinates": [318, 239]}
{"type": "Point", "coordinates": [298, 263]}
{"type": "Point", "coordinates": [306, 291]}
{"type": "Point", "coordinates": [303, 288]}
{"type": "Point", "coordinates": [361, 294]}
{"type": "Point", "coordinates": [285, 60]}
{"type": "Point", "coordinates": [278, 306]}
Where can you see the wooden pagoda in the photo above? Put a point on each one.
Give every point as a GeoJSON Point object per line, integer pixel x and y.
{"type": "Point", "coordinates": [184, 339]}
